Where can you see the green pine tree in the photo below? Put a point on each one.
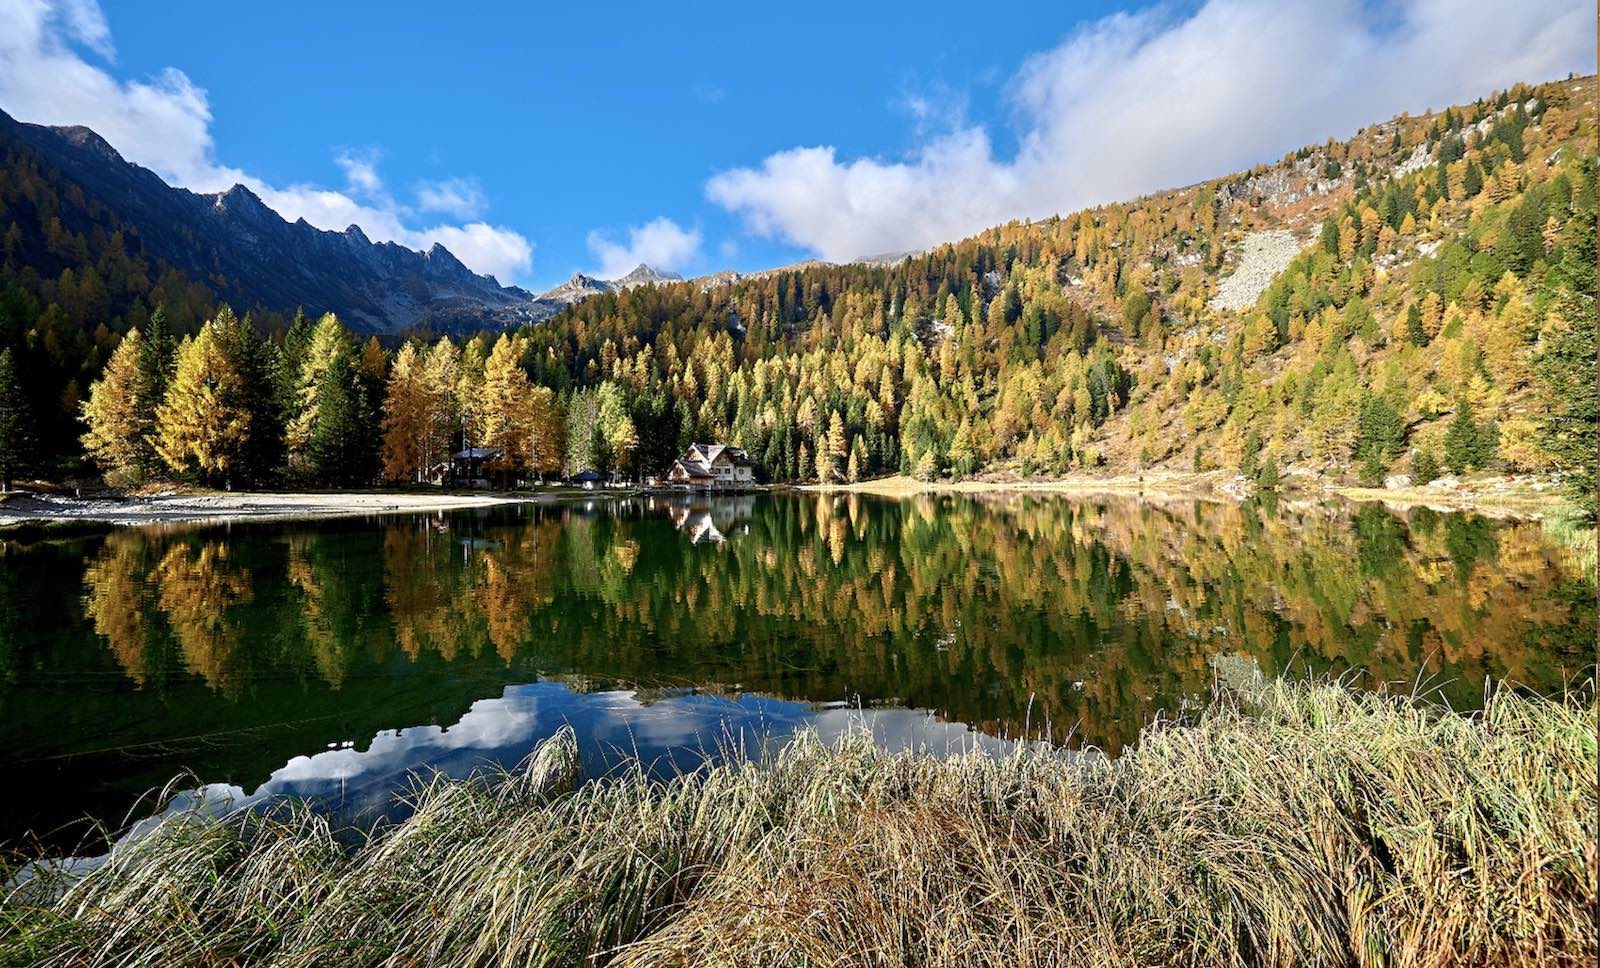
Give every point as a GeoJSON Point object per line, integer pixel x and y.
{"type": "Point", "coordinates": [15, 424]}
{"type": "Point", "coordinates": [1461, 447]}
{"type": "Point", "coordinates": [1267, 479]}
{"type": "Point", "coordinates": [1373, 467]}
{"type": "Point", "coordinates": [1566, 366]}
{"type": "Point", "coordinates": [1424, 467]}
{"type": "Point", "coordinates": [1415, 333]}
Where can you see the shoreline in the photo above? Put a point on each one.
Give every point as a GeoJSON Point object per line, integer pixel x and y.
{"type": "Point", "coordinates": [27, 510]}
{"type": "Point", "coordinates": [1520, 501]}
{"type": "Point", "coordinates": [23, 509]}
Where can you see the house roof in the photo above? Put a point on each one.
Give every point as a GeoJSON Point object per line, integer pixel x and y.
{"type": "Point", "coordinates": [693, 468]}
{"type": "Point", "coordinates": [586, 476]}
{"type": "Point", "coordinates": [712, 451]}
{"type": "Point", "coordinates": [476, 453]}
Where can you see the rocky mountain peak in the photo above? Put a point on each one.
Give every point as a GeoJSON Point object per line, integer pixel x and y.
{"type": "Point", "coordinates": [87, 139]}
{"type": "Point", "coordinates": [642, 275]}
{"type": "Point", "coordinates": [240, 202]}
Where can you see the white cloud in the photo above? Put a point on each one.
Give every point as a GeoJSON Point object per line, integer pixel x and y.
{"type": "Point", "coordinates": [1138, 102]}
{"type": "Point", "coordinates": [164, 123]}
{"type": "Point", "coordinates": [461, 197]}
{"type": "Point", "coordinates": [360, 171]}
{"type": "Point", "coordinates": [661, 244]}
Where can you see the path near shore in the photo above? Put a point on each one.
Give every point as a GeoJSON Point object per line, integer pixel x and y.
{"type": "Point", "coordinates": [23, 508]}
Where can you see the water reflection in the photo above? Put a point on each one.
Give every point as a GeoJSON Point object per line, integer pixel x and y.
{"type": "Point", "coordinates": [665, 733]}
{"type": "Point", "coordinates": [232, 652]}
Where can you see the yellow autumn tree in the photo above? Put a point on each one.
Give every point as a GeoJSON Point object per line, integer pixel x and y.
{"type": "Point", "coordinates": [503, 406]}
{"type": "Point", "coordinates": [545, 451]}
{"type": "Point", "coordinates": [467, 388]}
{"type": "Point", "coordinates": [203, 424]}
{"type": "Point", "coordinates": [411, 433]}
{"type": "Point", "coordinates": [119, 417]}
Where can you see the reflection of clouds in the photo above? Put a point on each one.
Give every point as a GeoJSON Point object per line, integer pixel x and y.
{"type": "Point", "coordinates": [898, 730]}
{"type": "Point", "coordinates": [666, 732]}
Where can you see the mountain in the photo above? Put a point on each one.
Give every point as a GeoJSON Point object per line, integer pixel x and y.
{"type": "Point", "coordinates": [254, 258]}
{"type": "Point", "coordinates": [581, 287]}
{"type": "Point", "coordinates": [1414, 296]}
{"type": "Point", "coordinates": [643, 275]}
{"type": "Point", "coordinates": [1417, 295]}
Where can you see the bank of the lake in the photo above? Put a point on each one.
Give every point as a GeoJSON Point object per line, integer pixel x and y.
{"type": "Point", "coordinates": [1288, 822]}
{"type": "Point", "coordinates": [183, 507]}
{"type": "Point", "coordinates": [1497, 496]}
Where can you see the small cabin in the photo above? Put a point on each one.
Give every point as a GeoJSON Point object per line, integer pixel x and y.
{"type": "Point", "coordinates": [465, 467]}
{"type": "Point", "coordinates": [588, 480]}
{"type": "Point", "coordinates": [712, 467]}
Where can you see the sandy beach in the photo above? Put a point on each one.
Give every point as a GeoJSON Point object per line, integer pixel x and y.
{"type": "Point", "coordinates": [20, 508]}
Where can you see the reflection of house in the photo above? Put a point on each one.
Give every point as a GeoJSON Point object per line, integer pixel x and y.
{"type": "Point", "coordinates": [712, 467]}
{"type": "Point", "coordinates": [714, 519]}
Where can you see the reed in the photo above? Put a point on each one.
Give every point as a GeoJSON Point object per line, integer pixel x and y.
{"type": "Point", "coordinates": [1287, 823]}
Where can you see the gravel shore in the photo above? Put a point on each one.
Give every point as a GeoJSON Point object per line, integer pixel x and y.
{"type": "Point", "coordinates": [23, 508]}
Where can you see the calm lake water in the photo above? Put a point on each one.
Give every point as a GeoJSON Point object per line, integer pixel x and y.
{"type": "Point", "coordinates": [333, 659]}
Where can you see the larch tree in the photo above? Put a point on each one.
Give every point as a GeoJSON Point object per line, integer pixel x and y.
{"type": "Point", "coordinates": [408, 424]}
{"type": "Point", "coordinates": [119, 416]}
{"type": "Point", "coordinates": [468, 386]}
{"type": "Point", "coordinates": [545, 426]}
{"type": "Point", "coordinates": [617, 431]}
{"type": "Point", "coordinates": [503, 406]}
{"type": "Point", "coordinates": [203, 425]}
{"type": "Point", "coordinates": [439, 372]}
{"type": "Point", "coordinates": [838, 440]}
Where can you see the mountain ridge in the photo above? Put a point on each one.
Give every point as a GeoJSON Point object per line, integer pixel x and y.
{"type": "Point", "coordinates": [251, 255]}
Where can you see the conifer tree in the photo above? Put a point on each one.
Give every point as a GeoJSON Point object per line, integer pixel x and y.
{"type": "Point", "coordinates": [203, 424]}
{"type": "Point", "coordinates": [257, 360]}
{"type": "Point", "coordinates": [545, 432]}
{"type": "Point", "coordinates": [15, 423]}
{"type": "Point", "coordinates": [410, 444]}
{"type": "Point", "coordinates": [1469, 445]}
{"type": "Point", "coordinates": [503, 407]}
{"type": "Point", "coordinates": [1566, 367]}
{"type": "Point", "coordinates": [440, 374]}
{"type": "Point", "coordinates": [1267, 479]}
{"type": "Point", "coordinates": [619, 436]}
{"type": "Point", "coordinates": [1424, 467]}
{"type": "Point", "coordinates": [119, 416]}
{"type": "Point", "coordinates": [327, 440]}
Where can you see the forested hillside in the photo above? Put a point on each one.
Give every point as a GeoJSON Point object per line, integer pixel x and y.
{"type": "Point", "coordinates": [1417, 299]}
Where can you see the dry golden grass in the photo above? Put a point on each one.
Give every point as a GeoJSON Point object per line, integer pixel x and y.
{"type": "Point", "coordinates": [1287, 824]}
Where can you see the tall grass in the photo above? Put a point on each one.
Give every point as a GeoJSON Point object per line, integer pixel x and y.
{"type": "Point", "coordinates": [1577, 536]}
{"type": "Point", "coordinates": [1291, 824]}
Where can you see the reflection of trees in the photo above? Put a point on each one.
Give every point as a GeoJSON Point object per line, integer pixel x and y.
{"type": "Point", "coordinates": [422, 589]}
{"type": "Point", "coordinates": [1094, 613]}
{"type": "Point", "coordinates": [116, 598]}
{"type": "Point", "coordinates": [197, 586]}
{"type": "Point", "coordinates": [518, 576]}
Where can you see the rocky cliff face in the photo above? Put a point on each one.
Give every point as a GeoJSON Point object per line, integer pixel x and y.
{"type": "Point", "coordinates": [252, 257]}
{"type": "Point", "coordinates": [581, 287]}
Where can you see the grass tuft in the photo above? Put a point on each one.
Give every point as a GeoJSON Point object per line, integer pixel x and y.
{"type": "Point", "coordinates": [1288, 823]}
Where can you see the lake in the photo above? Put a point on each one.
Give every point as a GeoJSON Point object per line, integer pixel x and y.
{"type": "Point", "coordinates": [334, 659]}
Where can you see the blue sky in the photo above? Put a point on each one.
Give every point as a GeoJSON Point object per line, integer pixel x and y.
{"type": "Point", "coordinates": [536, 140]}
